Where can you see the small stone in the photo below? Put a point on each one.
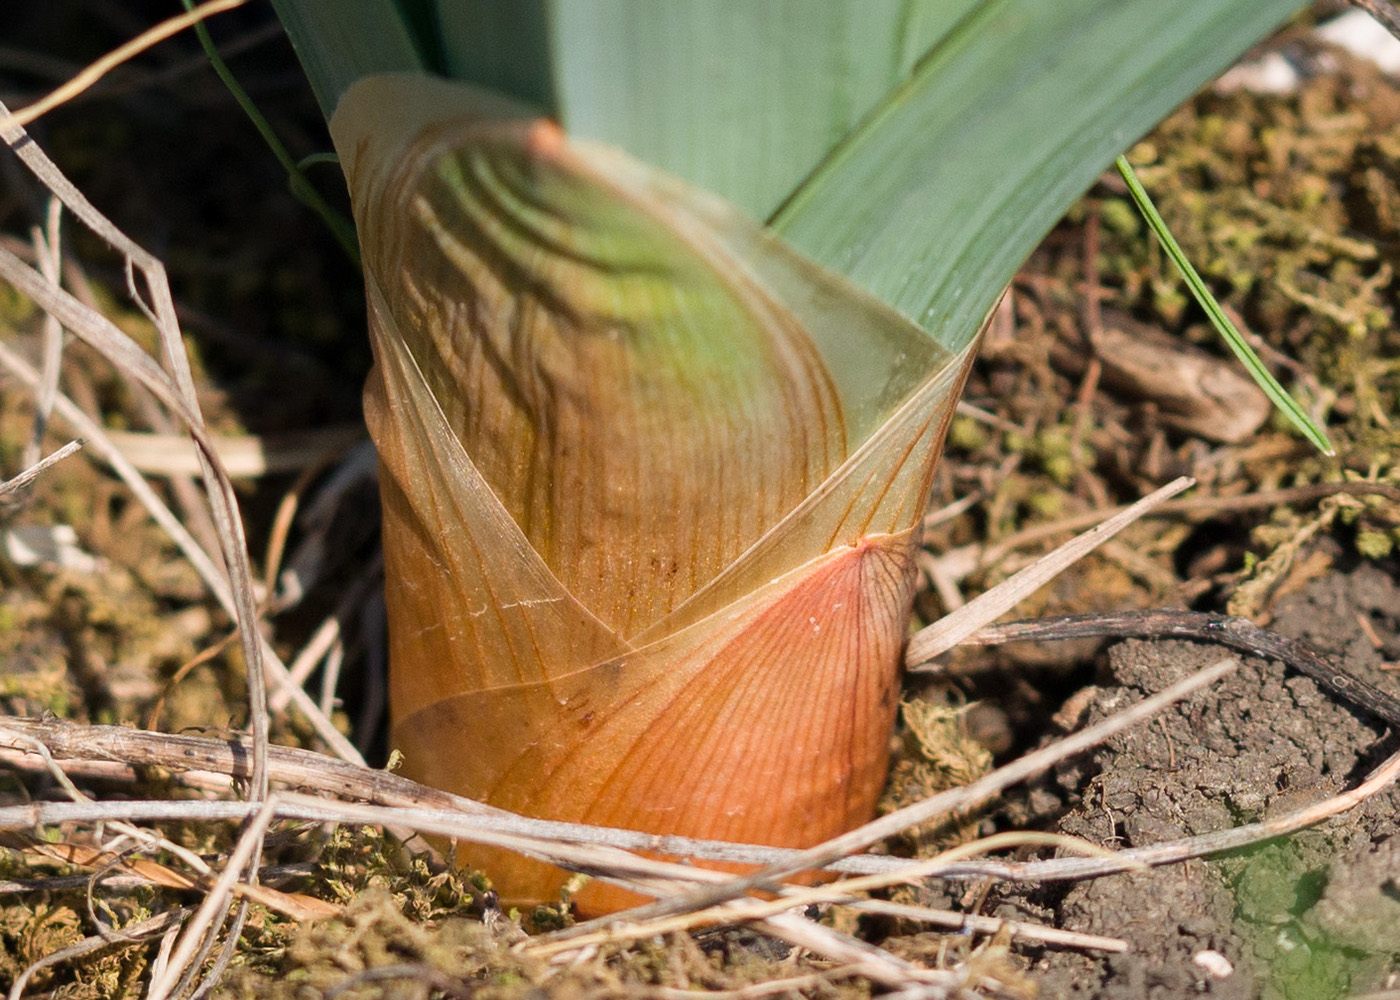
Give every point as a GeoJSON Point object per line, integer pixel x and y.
{"type": "Point", "coordinates": [1212, 963]}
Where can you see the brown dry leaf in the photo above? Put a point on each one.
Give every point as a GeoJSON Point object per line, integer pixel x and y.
{"type": "Point", "coordinates": [1194, 391]}
{"type": "Point", "coordinates": [295, 905]}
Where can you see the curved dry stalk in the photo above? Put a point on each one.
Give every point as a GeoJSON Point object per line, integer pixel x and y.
{"type": "Point", "coordinates": [96, 440]}
{"type": "Point", "coordinates": [173, 386]}
{"type": "Point", "coordinates": [96, 70]}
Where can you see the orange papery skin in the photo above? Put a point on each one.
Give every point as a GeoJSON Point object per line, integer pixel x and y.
{"type": "Point", "coordinates": [652, 485]}
{"type": "Point", "coordinates": [773, 731]}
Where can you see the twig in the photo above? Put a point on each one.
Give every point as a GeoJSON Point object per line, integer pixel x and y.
{"type": "Point", "coordinates": [462, 824]}
{"type": "Point", "coordinates": [953, 628]}
{"type": "Point", "coordinates": [1383, 11]}
{"type": "Point", "coordinates": [26, 478]}
{"type": "Point", "coordinates": [642, 873]}
{"type": "Point", "coordinates": [1238, 634]}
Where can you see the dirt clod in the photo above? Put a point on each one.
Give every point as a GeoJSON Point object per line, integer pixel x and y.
{"type": "Point", "coordinates": [1311, 915]}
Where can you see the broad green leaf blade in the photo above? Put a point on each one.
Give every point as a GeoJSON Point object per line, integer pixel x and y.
{"type": "Point", "coordinates": [339, 41]}
{"type": "Point", "coordinates": [738, 97]}
{"type": "Point", "coordinates": [936, 201]}
{"type": "Point", "coordinates": [1277, 394]}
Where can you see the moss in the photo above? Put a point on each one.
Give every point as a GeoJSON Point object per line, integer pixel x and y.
{"type": "Point", "coordinates": [30, 931]}
{"type": "Point", "coordinates": [1375, 544]}
{"type": "Point", "coordinates": [967, 433]}
{"type": "Point", "coordinates": [936, 752]}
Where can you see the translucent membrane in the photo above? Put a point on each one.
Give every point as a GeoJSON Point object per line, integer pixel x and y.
{"type": "Point", "coordinates": [651, 485]}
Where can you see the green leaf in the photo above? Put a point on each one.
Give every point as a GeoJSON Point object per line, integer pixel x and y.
{"type": "Point", "coordinates": [934, 204]}
{"type": "Point", "coordinates": [340, 42]}
{"type": "Point", "coordinates": [738, 97]}
{"type": "Point", "coordinates": [964, 128]}
{"type": "Point", "coordinates": [1261, 375]}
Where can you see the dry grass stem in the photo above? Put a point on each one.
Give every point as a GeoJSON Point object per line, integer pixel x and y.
{"type": "Point", "coordinates": [25, 479]}
{"type": "Point", "coordinates": [173, 386]}
{"type": "Point", "coordinates": [953, 628]}
{"type": "Point", "coordinates": [49, 255]}
{"type": "Point", "coordinates": [101, 67]}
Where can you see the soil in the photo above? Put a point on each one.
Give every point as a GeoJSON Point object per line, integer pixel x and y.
{"type": "Point", "coordinates": [1312, 915]}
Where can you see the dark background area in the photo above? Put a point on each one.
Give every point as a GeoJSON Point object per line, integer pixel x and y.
{"type": "Point", "coordinates": [268, 298]}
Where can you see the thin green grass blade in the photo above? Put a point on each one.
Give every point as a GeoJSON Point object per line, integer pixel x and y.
{"type": "Point", "coordinates": [297, 181]}
{"type": "Point", "coordinates": [1261, 375]}
{"type": "Point", "coordinates": [938, 199]}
